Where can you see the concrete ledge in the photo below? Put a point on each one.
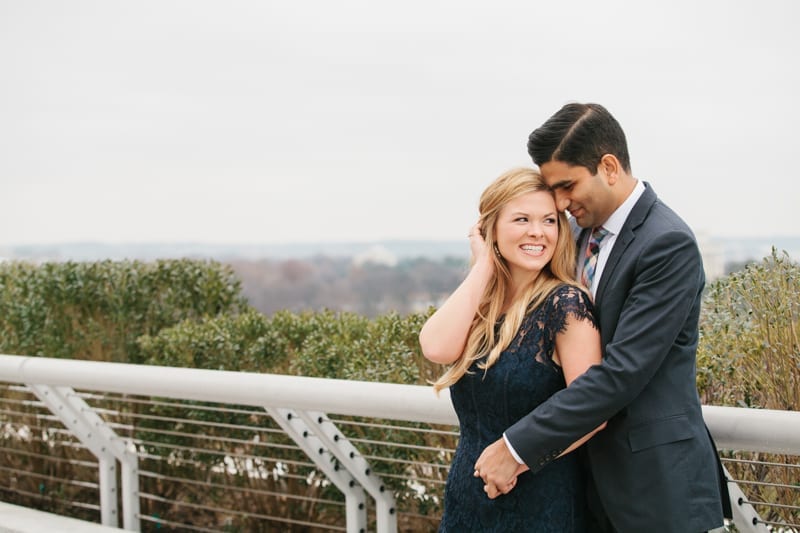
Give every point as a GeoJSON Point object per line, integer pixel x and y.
{"type": "Point", "coordinates": [16, 519]}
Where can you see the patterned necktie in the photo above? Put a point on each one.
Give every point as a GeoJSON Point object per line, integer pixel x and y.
{"type": "Point", "coordinates": [590, 257]}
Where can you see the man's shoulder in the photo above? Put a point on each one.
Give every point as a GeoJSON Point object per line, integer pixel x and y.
{"type": "Point", "coordinates": [664, 218]}
{"type": "Point", "coordinates": [657, 217]}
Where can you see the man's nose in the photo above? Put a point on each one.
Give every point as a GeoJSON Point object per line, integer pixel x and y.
{"type": "Point", "coordinates": [562, 201]}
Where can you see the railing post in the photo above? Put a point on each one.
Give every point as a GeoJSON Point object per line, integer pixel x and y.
{"type": "Point", "coordinates": [130, 489]}
{"type": "Point", "coordinates": [94, 433]}
{"type": "Point", "coordinates": [314, 447]}
{"type": "Point", "coordinates": [745, 517]}
{"type": "Point", "coordinates": [353, 460]}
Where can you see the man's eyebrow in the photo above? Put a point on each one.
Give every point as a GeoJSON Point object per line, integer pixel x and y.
{"type": "Point", "coordinates": [560, 184]}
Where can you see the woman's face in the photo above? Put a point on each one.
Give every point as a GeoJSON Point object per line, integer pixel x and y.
{"type": "Point", "coordinates": [526, 233]}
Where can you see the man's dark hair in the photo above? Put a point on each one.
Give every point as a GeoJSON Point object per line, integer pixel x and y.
{"type": "Point", "coordinates": [579, 135]}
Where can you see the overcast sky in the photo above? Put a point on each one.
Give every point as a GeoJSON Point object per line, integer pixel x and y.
{"type": "Point", "coordinates": [329, 121]}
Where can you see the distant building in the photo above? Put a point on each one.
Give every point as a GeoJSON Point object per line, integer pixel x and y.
{"type": "Point", "coordinates": [378, 255]}
{"type": "Point", "coordinates": [713, 256]}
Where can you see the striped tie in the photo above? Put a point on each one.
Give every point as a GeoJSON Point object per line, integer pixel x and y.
{"type": "Point", "coordinates": [590, 258]}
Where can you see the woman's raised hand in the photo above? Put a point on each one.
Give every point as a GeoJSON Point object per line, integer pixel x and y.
{"type": "Point", "coordinates": [480, 250]}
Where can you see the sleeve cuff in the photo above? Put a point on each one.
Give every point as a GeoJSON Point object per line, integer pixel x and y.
{"type": "Point", "coordinates": [512, 450]}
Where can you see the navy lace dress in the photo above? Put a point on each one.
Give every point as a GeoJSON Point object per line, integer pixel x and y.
{"type": "Point", "coordinates": [553, 499]}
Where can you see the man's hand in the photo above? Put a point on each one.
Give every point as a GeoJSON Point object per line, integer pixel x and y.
{"type": "Point", "coordinates": [498, 469]}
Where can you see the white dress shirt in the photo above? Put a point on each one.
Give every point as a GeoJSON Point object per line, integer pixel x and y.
{"type": "Point", "coordinates": [613, 225]}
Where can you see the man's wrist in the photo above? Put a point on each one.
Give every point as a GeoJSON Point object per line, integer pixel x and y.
{"type": "Point", "coordinates": [513, 452]}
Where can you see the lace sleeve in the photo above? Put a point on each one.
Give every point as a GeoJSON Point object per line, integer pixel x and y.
{"type": "Point", "coordinates": [568, 300]}
{"type": "Point", "coordinates": [541, 325]}
{"type": "Point", "coordinates": [550, 319]}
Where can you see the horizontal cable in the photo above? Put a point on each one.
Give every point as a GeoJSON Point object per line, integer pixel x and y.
{"type": "Point", "coordinates": [180, 525]}
{"type": "Point", "coordinates": [54, 459]}
{"type": "Point", "coordinates": [262, 492]}
{"type": "Point", "coordinates": [185, 405]}
{"type": "Point", "coordinates": [280, 519]}
{"type": "Point", "coordinates": [214, 438]}
{"type": "Point", "coordinates": [192, 422]}
{"type": "Point", "coordinates": [342, 422]}
{"type": "Point", "coordinates": [781, 524]}
{"type": "Point", "coordinates": [74, 444]}
{"type": "Point", "coordinates": [205, 466]}
{"type": "Point", "coordinates": [419, 480]}
{"type": "Point", "coordinates": [765, 484]}
{"type": "Point", "coordinates": [21, 414]}
{"type": "Point", "coordinates": [268, 475]}
{"type": "Point", "coordinates": [20, 401]}
{"type": "Point", "coordinates": [758, 463]}
{"type": "Point", "coordinates": [26, 473]}
{"type": "Point", "coordinates": [392, 460]}
{"type": "Point", "coordinates": [222, 453]}
{"type": "Point", "coordinates": [81, 505]}
{"type": "Point", "coordinates": [769, 504]}
{"type": "Point", "coordinates": [399, 445]}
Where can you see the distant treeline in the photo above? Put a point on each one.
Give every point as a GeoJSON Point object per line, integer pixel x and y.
{"type": "Point", "coordinates": [340, 284]}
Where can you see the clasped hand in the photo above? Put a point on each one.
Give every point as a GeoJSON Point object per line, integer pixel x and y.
{"type": "Point", "coordinates": [498, 469]}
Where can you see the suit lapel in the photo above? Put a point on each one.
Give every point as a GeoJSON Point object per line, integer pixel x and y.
{"type": "Point", "coordinates": [635, 219]}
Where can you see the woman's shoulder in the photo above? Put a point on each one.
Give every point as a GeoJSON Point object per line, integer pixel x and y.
{"type": "Point", "coordinates": [568, 299]}
{"type": "Point", "coordinates": [568, 292]}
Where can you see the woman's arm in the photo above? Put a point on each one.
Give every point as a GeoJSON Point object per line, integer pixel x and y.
{"type": "Point", "coordinates": [578, 348]}
{"type": "Point", "coordinates": [444, 335]}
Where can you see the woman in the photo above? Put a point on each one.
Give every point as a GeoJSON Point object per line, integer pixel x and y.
{"type": "Point", "coordinates": [515, 331]}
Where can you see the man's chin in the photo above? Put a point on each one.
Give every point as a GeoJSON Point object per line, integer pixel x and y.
{"type": "Point", "coordinates": [579, 220]}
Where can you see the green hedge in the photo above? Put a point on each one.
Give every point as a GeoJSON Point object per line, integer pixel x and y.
{"type": "Point", "coordinates": [98, 311]}
{"type": "Point", "coordinates": [749, 352]}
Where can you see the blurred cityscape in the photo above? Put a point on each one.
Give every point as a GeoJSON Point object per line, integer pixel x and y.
{"type": "Point", "coordinates": [366, 278]}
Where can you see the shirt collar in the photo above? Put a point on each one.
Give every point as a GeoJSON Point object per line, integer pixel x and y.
{"type": "Point", "coordinates": [617, 219]}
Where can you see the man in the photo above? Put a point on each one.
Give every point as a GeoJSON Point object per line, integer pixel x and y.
{"type": "Point", "coordinates": [654, 466]}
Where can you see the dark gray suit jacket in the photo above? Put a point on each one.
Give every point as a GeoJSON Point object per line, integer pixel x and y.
{"type": "Point", "coordinates": [654, 466]}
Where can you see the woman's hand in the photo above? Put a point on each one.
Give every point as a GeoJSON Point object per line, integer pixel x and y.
{"type": "Point", "coordinates": [493, 491]}
{"type": "Point", "coordinates": [478, 246]}
{"type": "Point", "coordinates": [444, 335]}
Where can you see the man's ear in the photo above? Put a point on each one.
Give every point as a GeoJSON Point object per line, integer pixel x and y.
{"type": "Point", "coordinates": [610, 166]}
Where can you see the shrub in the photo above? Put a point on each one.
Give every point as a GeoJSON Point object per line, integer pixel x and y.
{"type": "Point", "coordinates": [749, 356]}
{"type": "Point", "coordinates": [97, 311]}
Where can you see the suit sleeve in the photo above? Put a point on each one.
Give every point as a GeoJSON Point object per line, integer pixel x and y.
{"type": "Point", "coordinates": [666, 282]}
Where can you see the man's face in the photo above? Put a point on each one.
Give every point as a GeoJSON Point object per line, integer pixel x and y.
{"type": "Point", "coordinates": [588, 197]}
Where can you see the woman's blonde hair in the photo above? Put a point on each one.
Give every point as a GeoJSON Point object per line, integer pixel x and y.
{"type": "Point", "coordinates": [483, 338]}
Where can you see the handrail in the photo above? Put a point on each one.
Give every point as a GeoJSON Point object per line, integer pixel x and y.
{"type": "Point", "coordinates": [302, 400]}
{"type": "Point", "coordinates": [733, 428]}
{"type": "Point", "coordinates": [345, 397]}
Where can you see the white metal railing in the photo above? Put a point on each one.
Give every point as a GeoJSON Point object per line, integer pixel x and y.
{"type": "Point", "coordinates": [301, 406]}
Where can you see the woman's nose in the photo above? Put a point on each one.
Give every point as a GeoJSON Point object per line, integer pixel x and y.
{"type": "Point", "coordinates": [535, 229]}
